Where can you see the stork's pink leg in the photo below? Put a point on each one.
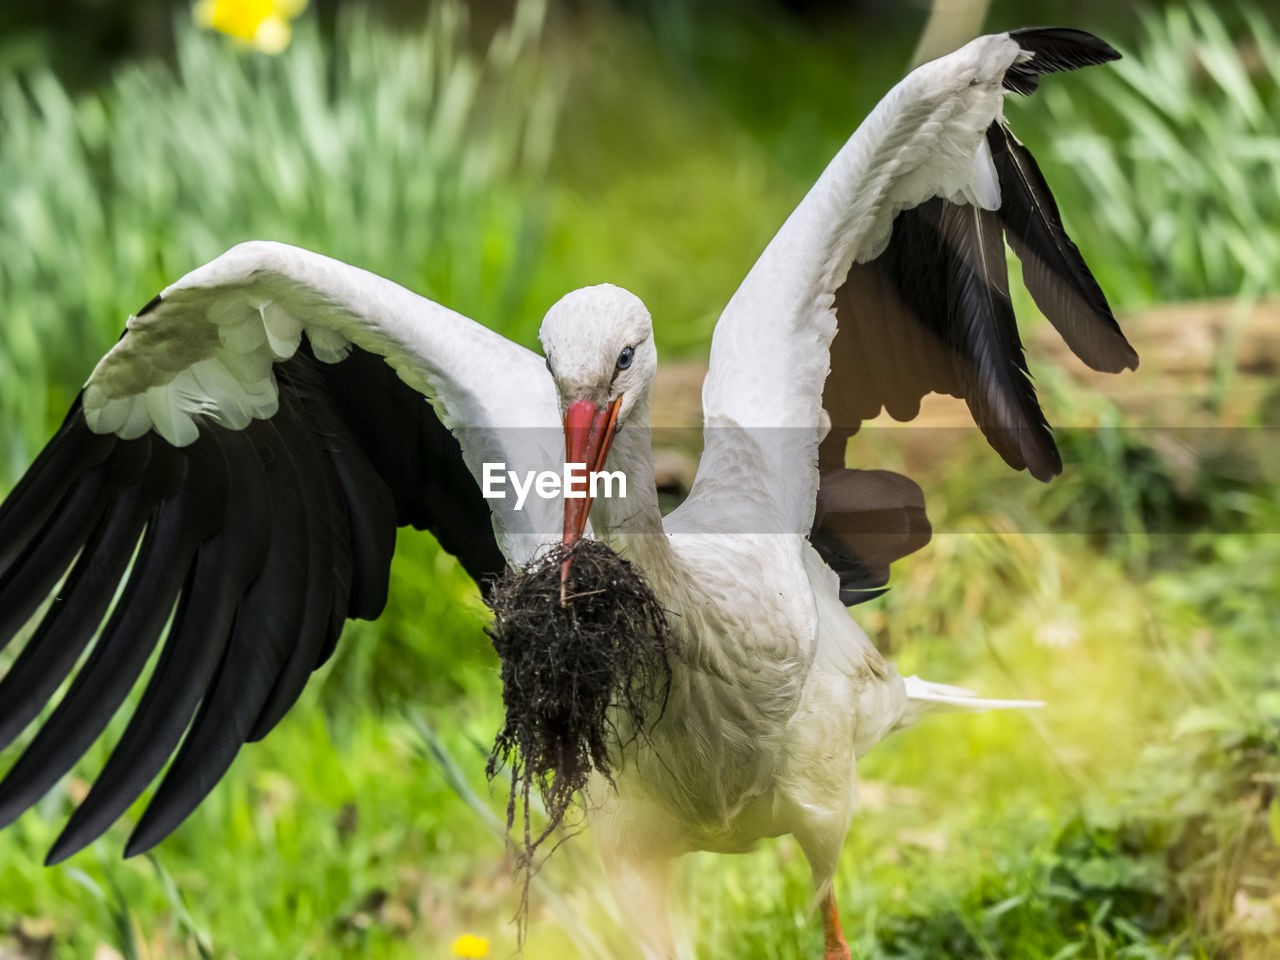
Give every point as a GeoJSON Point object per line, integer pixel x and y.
{"type": "Point", "coordinates": [837, 948]}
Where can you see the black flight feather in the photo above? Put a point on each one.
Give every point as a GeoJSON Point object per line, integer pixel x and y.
{"type": "Point", "coordinates": [370, 526]}
{"type": "Point", "coordinates": [31, 577]}
{"type": "Point", "coordinates": [114, 664]}
{"type": "Point", "coordinates": [225, 564]}
{"type": "Point", "coordinates": [266, 540]}
{"type": "Point", "coordinates": [988, 353]}
{"type": "Point", "coordinates": [1052, 268]}
{"type": "Point", "coordinates": [66, 629]}
{"type": "Point", "coordinates": [1054, 49]}
{"type": "Point", "coordinates": [72, 453]}
{"type": "Point", "coordinates": [266, 624]}
{"type": "Point", "coordinates": [327, 576]}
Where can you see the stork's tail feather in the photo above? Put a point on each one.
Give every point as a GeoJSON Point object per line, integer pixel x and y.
{"type": "Point", "coordinates": [924, 697]}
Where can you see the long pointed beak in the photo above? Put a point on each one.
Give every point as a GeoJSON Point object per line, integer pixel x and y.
{"type": "Point", "coordinates": [588, 434]}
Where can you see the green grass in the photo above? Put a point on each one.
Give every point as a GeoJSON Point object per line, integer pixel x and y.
{"type": "Point", "coordinates": [1134, 817]}
{"type": "Point", "coordinates": [1181, 155]}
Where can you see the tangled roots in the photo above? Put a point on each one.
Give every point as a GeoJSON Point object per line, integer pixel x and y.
{"type": "Point", "coordinates": [567, 666]}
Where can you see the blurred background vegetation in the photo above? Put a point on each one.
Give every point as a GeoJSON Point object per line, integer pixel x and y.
{"type": "Point", "coordinates": [495, 155]}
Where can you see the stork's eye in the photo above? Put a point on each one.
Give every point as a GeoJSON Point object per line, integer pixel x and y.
{"type": "Point", "coordinates": [625, 357]}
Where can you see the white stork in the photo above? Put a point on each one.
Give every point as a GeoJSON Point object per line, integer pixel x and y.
{"type": "Point", "coordinates": [240, 460]}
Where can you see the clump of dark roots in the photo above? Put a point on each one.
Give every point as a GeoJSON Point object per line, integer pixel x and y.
{"type": "Point", "coordinates": [579, 660]}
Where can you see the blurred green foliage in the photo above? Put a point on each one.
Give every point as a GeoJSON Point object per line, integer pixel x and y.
{"type": "Point", "coordinates": [385, 152]}
{"type": "Point", "coordinates": [1134, 818]}
{"type": "Point", "coordinates": [1181, 155]}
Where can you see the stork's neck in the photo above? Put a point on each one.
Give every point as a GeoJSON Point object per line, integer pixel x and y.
{"type": "Point", "coordinates": [632, 525]}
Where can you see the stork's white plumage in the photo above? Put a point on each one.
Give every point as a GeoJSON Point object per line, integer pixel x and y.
{"type": "Point", "coordinates": [246, 439]}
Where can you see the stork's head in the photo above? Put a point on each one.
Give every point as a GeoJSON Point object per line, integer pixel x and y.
{"type": "Point", "coordinates": [599, 347]}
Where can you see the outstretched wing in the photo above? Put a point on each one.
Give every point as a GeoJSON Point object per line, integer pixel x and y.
{"type": "Point", "coordinates": [889, 282]}
{"type": "Point", "coordinates": [932, 312]}
{"type": "Point", "coordinates": [236, 469]}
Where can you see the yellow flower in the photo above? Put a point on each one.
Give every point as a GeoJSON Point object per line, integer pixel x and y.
{"type": "Point", "coordinates": [260, 23]}
{"type": "Point", "coordinates": [469, 945]}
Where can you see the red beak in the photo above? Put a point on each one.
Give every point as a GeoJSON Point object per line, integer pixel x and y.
{"type": "Point", "coordinates": [588, 434]}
